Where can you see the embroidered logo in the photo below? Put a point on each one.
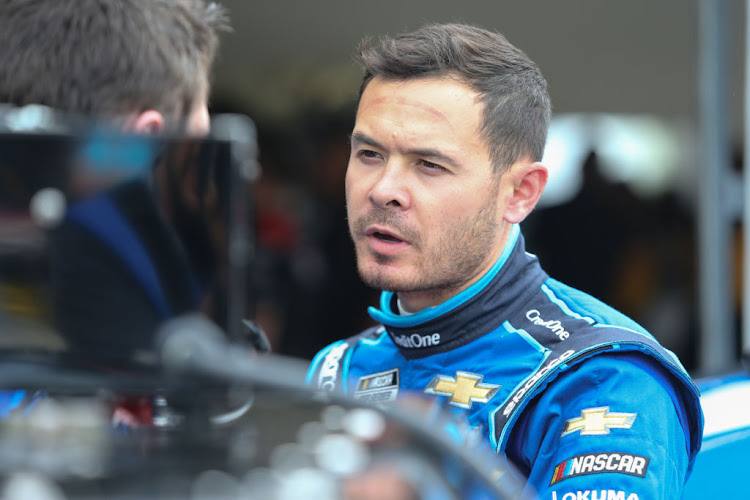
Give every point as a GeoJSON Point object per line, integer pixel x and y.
{"type": "Point", "coordinates": [598, 421]}
{"type": "Point", "coordinates": [329, 370]}
{"type": "Point", "coordinates": [378, 387]}
{"type": "Point", "coordinates": [521, 392]}
{"type": "Point", "coordinates": [464, 389]}
{"type": "Point", "coordinates": [554, 325]}
{"type": "Point", "coordinates": [598, 463]}
{"type": "Point", "coordinates": [416, 341]}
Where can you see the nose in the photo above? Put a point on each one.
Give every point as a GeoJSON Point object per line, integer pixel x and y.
{"type": "Point", "coordinates": [391, 188]}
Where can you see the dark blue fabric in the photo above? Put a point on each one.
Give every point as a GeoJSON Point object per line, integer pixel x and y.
{"type": "Point", "coordinates": [99, 215]}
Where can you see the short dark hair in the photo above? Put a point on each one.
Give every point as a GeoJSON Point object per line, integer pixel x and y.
{"type": "Point", "coordinates": [511, 87]}
{"type": "Point", "coordinates": [108, 57]}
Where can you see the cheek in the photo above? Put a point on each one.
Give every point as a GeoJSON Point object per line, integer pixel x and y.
{"type": "Point", "coordinates": [353, 186]}
{"type": "Point", "coordinates": [462, 206]}
{"type": "Point", "coordinates": [347, 187]}
{"type": "Point", "coordinates": [351, 200]}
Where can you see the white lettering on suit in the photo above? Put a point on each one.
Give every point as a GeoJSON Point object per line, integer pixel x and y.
{"type": "Point", "coordinates": [327, 377]}
{"type": "Point", "coordinates": [535, 317]}
{"type": "Point", "coordinates": [595, 495]}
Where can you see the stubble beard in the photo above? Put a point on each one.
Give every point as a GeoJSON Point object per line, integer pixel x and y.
{"type": "Point", "coordinates": [460, 254]}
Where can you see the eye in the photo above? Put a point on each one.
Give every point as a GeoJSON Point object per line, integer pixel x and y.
{"type": "Point", "coordinates": [368, 154]}
{"type": "Point", "coordinates": [431, 167]}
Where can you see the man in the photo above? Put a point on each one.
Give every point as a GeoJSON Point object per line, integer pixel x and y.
{"type": "Point", "coordinates": [137, 253]}
{"type": "Point", "coordinates": [143, 63]}
{"type": "Point", "coordinates": [450, 128]}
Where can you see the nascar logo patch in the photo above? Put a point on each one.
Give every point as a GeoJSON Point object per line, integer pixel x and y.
{"type": "Point", "coordinates": [378, 387]}
{"type": "Point", "coordinates": [600, 463]}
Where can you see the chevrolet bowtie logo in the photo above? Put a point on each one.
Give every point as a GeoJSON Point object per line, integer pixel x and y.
{"type": "Point", "coordinates": [466, 388]}
{"type": "Point", "coordinates": [598, 421]}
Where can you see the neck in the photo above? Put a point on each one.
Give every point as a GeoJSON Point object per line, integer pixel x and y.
{"type": "Point", "coordinates": [411, 302]}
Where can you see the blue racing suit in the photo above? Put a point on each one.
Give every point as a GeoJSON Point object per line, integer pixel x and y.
{"type": "Point", "coordinates": [583, 401]}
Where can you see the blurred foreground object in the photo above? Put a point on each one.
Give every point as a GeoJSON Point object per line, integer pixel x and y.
{"type": "Point", "coordinates": [219, 421]}
{"type": "Point", "coordinates": [104, 235]}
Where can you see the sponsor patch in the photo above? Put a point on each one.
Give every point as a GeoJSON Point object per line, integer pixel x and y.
{"type": "Point", "coordinates": [415, 341]}
{"type": "Point", "coordinates": [464, 389]}
{"type": "Point", "coordinates": [600, 463]}
{"type": "Point", "coordinates": [554, 325]}
{"type": "Point", "coordinates": [598, 421]}
{"type": "Point", "coordinates": [521, 392]}
{"type": "Point", "coordinates": [378, 388]}
{"type": "Point", "coordinates": [329, 371]}
{"type": "Point", "coordinates": [595, 495]}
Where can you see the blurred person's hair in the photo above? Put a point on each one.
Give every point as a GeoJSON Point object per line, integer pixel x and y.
{"type": "Point", "coordinates": [108, 57]}
{"type": "Point", "coordinates": [510, 86]}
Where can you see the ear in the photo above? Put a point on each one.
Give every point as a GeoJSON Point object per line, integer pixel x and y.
{"type": "Point", "coordinates": [148, 122]}
{"type": "Point", "coordinates": [528, 181]}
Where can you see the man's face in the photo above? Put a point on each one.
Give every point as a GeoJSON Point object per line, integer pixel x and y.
{"type": "Point", "coordinates": [424, 207]}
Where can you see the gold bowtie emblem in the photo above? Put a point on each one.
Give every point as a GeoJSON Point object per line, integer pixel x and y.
{"type": "Point", "coordinates": [598, 421]}
{"type": "Point", "coordinates": [464, 389]}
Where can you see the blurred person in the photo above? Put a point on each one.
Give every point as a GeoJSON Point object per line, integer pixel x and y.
{"type": "Point", "coordinates": [130, 256]}
{"type": "Point", "coordinates": [445, 164]}
{"type": "Point", "coordinates": [140, 63]}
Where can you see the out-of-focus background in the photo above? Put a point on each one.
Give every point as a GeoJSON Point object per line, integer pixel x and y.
{"type": "Point", "coordinates": [644, 204]}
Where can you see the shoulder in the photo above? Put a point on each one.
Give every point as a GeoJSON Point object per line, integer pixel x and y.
{"type": "Point", "coordinates": [631, 376]}
{"type": "Point", "coordinates": [368, 336]}
{"type": "Point", "coordinates": [586, 400]}
{"type": "Point", "coordinates": [629, 361]}
{"type": "Point", "coordinates": [372, 336]}
{"type": "Point", "coordinates": [329, 366]}
{"type": "Point", "coordinates": [574, 303]}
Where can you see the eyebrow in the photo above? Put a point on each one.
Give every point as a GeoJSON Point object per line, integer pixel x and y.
{"type": "Point", "coordinates": [359, 137]}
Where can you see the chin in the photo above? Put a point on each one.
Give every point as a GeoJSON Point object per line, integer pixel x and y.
{"type": "Point", "coordinates": [391, 280]}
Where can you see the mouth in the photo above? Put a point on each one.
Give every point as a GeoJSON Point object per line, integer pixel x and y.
{"type": "Point", "coordinates": [383, 235]}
